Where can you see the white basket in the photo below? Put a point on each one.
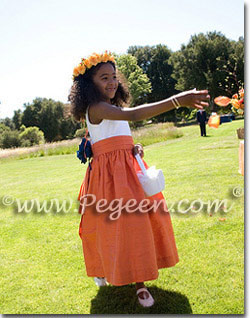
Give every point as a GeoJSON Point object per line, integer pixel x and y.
{"type": "Point", "coordinates": [151, 179]}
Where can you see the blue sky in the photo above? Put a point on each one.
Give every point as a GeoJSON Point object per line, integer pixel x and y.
{"type": "Point", "coordinates": [42, 40]}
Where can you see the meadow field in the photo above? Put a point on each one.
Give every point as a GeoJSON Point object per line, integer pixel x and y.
{"type": "Point", "coordinates": [42, 266]}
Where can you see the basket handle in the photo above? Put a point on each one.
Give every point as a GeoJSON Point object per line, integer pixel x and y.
{"type": "Point", "coordinates": [141, 164]}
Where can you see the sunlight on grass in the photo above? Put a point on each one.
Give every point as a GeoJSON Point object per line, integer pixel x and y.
{"type": "Point", "coordinates": [42, 265]}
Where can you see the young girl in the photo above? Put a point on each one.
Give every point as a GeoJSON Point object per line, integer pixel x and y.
{"type": "Point", "coordinates": [122, 242]}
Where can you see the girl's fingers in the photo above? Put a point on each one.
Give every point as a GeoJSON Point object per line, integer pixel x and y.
{"type": "Point", "coordinates": [138, 149]}
{"type": "Point", "coordinates": [135, 150]}
{"type": "Point", "coordinates": [202, 92]}
{"type": "Point", "coordinates": [195, 99]}
{"type": "Point", "coordinates": [204, 104]}
{"type": "Point", "coordinates": [198, 106]}
{"type": "Point", "coordinates": [202, 97]}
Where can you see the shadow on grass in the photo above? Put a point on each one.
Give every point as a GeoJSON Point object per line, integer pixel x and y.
{"type": "Point", "coordinates": [123, 300]}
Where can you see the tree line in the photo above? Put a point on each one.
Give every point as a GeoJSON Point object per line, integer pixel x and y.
{"type": "Point", "coordinates": [209, 61]}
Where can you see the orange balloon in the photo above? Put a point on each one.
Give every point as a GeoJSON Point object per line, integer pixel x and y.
{"type": "Point", "coordinates": [222, 101]}
{"type": "Point", "coordinates": [214, 121]}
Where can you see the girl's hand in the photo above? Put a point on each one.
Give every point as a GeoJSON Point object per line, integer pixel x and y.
{"type": "Point", "coordinates": [193, 98]}
{"type": "Point", "coordinates": [138, 149]}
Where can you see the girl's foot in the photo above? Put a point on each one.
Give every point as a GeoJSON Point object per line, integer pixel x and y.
{"type": "Point", "coordinates": [145, 302]}
{"type": "Point", "coordinates": [144, 296]}
{"type": "Point", "coordinates": [100, 281]}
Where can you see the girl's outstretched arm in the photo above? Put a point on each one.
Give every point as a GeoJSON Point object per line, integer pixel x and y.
{"type": "Point", "coordinates": [192, 99]}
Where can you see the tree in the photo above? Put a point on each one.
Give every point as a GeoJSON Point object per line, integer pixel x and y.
{"type": "Point", "coordinates": [138, 82]}
{"type": "Point", "coordinates": [32, 112]}
{"type": "Point", "coordinates": [8, 122]}
{"type": "Point", "coordinates": [49, 116]}
{"type": "Point", "coordinates": [233, 69]}
{"type": "Point", "coordinates": [17, 118]}
{"type": "Point", "coordinates": [68, 127]}
{"type": "Point", "coordinates": [3, 128]}
{"type": "Point", "coordinates": [198, 63]}
{"type": "Point", "coordinates": [154, 60]}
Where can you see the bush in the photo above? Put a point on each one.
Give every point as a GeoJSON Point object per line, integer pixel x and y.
{"type": "Point", "coordinates": [80, 133]}
{"type": "Point", "coordinates": [9, 139]}
{"type": "Point", "coordinates": [3, 128]}
{"type": "Point", "coordinates": [31, 136]}
{"type": "Point", "coordinates": [156, 133]}
{"type": "Point", "coordinates": [137, 124]}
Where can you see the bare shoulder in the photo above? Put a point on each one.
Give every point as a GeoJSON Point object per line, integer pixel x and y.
{"type": "Point", "coordinates": [94, 113]}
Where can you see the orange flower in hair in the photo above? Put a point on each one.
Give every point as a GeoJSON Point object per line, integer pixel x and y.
{"type": "Point", "coordinates": [87, 63]}
{"type": "Point", "coordinates": [105, 57]}
{"type": "Point", "coordinates": [76, 71]}
{"type": "Point", "coordinates": [82, 69]}
{"type": "Point", "coordinates": [91, 61]}
{"type": "Point", "coordinates": [98, 58]}
{"type": "Point", "coordinates": [112, 59]}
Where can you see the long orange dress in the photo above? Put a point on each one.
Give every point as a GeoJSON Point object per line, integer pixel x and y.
{"type": "Point", "coordinates": [119, 243]}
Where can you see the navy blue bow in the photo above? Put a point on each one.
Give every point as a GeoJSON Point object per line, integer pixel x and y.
{"type": "Point", "coordinates": [85, 151]}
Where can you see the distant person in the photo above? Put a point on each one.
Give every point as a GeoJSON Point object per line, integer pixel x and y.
{"type": "Point", "coordinates": [202, 119]}
{"type": "Point", "coordinates": [232, 115]}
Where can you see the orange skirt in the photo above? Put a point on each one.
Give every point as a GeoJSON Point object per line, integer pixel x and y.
{"type": "Point", "coordinates": [124, 237]}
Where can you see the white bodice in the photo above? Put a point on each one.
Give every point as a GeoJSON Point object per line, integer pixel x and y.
{"type": "Point", "coordinates": [107, 128]}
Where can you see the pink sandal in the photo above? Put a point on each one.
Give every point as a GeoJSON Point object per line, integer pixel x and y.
{"type": "Point", "coordinates": [148, 302]}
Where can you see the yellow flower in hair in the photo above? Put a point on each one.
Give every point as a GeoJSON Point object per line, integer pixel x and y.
{"type": "Point", "coordinates": [76, 71]}
{"type": "Point", "coordinates": [81, 69]}
{"type": "Point", "coordinates": [112, 59]}
{"type": "Point", "coordinates": [98, 57]}
{"type": "Point", "coordinates": [87, 63]}
{"type": "Point", "coordinates": [105, 57]}
{"type": "Point", "coordinates": [93, 60]}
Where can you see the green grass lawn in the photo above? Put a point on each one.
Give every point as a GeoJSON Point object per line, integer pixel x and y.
{"type": "Point", "coordinates": [42, 266]}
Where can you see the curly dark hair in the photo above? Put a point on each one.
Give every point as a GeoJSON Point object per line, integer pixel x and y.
{"type": "Point", "coordinates": [84, 92]}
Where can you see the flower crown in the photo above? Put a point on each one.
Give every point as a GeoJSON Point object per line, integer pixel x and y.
{"type": "Point", "coordinates": [92, 60]}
